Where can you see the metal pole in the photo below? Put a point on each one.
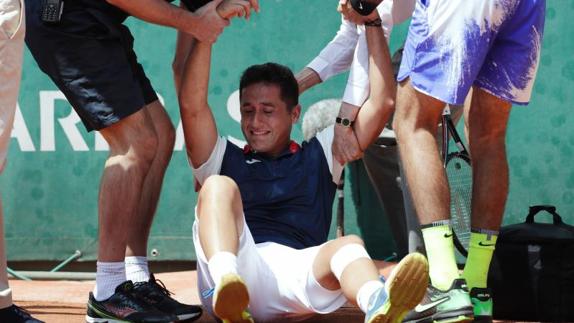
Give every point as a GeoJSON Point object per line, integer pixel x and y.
{"type": "Point", "coordinates": [341, 206]}
{"type": "Point", "coordinates": [48, 275]}
{"type": "Point", "coordinates": [17, 274]}
{"type": "Point", "coordinates": [77, 254]}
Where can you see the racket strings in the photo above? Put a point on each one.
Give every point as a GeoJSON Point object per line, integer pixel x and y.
{"type": "Point", "coordinates": [459, 174]}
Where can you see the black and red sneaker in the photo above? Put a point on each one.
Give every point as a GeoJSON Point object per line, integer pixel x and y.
{"type": "Point", "coordinates": [156, 294]}
{"type": "Point", "coordinates": [16, 314]}
{"type": "Point", "coordinates": [124, 306]}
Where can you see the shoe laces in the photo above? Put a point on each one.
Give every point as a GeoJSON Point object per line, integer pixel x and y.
{"type": "Point", "coordinates": [130, 300]}
{"type": "Point", "coordinates": [160, 287]}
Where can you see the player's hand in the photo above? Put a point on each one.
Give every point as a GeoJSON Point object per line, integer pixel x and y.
{"type": "Point", "coordinates": [345, 145]}
{"type": "Point", "coordinates": [209, 24]}
{"type": "Point", "coordinates": [351, 15]}
{"type": "Point", "coordinates": [237, 8]}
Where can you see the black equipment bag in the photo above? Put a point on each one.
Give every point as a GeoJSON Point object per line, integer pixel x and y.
{"type": "Point", "coordinates": [532, 271]}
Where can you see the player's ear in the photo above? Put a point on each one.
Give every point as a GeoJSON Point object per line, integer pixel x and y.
{"type": "Point", "coordinates": [295, 113]}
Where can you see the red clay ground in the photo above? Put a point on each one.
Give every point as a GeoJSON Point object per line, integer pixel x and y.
{"type": "Point", "coordinates": [65, 301]}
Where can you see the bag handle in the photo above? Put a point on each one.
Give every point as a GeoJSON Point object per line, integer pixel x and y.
{"type": "Point", "coordinates": [535, 209]}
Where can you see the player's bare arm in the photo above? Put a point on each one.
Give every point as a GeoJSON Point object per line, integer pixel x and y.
{"type": "Point", "coordinates": [378, 108]}
{"type": "Point", "coordinates": [199, 127]}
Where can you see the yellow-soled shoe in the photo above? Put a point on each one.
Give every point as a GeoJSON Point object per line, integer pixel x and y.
{"type": "Point", "coordinates": [403, 290]}
{"type": "Point", "coordinates": [231, 299]}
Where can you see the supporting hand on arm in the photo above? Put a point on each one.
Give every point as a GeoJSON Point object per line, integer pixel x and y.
{"type": "Point", "coordinates": [227, 9]}
{"type": "Point", "coordinates": [204, 24]}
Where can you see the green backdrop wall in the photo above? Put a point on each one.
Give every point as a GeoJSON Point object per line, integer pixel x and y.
{"type": "Point", "coordinates": [50, 184]}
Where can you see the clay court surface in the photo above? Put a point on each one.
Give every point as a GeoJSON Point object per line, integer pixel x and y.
{"type": "Point", "coordinates": [65, 301]}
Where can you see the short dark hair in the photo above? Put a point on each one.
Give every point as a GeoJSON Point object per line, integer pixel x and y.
{"type": "Point", "coordinates": [276, 74]}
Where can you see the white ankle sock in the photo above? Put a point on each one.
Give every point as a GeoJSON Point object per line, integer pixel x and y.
{"type": "Point", "coordinates": [109, 275]}
{"type": "Point", "coordinates": [137, 269]}
{"type": "Point", "coordinates": [366, 291]}
{"type": "Point", "coordinates": [220, 264]}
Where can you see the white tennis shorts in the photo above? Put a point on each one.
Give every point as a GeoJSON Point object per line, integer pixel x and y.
{"type": "Point", "coordinates": [279, 279]}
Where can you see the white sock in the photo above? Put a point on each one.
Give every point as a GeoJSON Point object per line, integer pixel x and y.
{"type": "Point", "coordinates": [109, 275]}
{"type": "Point", "coordinates": [366, 291]}
{"type": "Point", "coordinates": [137, 269]}
{"type": "Point", "coordinates": [220, 264]}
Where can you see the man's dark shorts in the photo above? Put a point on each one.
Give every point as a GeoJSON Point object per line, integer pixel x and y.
{"type": "Point", "coordinates": [89, 56]}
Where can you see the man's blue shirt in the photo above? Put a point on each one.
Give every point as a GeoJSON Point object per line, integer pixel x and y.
{"type": "Point", "coordinates": [287, 200]}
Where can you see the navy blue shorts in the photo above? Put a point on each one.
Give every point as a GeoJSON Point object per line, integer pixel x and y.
{"type": "Point", "coordinates": [89, 55]}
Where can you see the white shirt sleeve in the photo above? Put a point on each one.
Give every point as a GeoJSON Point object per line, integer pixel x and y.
{"type": "Point", "coordinates": [357, 88]}
{"type": "Point", "coordinates": [325, 138]}
{"type": "Point", "coordinates": [337, 56]}
{"type": "Point", "coordinates": [213, 165]}
{"type": "Point", "coordinates": [401, 10]}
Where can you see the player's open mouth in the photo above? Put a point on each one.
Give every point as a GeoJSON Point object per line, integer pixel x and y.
{"type": "Point", "coordinates": [259, 132]}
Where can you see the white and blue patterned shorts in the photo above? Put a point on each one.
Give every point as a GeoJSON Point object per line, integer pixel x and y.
{"type": "Point", "coordinates": [492, 44]}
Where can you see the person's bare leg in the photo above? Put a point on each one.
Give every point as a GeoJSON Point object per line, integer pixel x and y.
{"type": "Point", "coordinates": [344, 264]}
{"type": "Point", "coordinates": [416, 123]}
{"type": "Point", "coordinates": [220, 215]}
{"type": "Point", "coordinates": [139, 229]}
{"type": "Point", "coordinates": [355, 275]}
{"type": "Point", "coordinates": [133, 145]}
{"type": "Point", "coordinates": [487, 123]}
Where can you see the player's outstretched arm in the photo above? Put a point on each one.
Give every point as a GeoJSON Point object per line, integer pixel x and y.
{"type": "Point", "coordinates": [198, 123]}
{"type": "Point", "coordinates": [378, 108]}
{"type": "Point", "coordinates": [227, 9]}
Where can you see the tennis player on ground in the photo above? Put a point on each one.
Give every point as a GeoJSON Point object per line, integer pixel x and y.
{"type": "Point", "coordinates": [264, 211]}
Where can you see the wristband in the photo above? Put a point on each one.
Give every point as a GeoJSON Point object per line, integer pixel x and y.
{"type": "Point", "coordinates": [195, 4]}
{"type": "Point", "coordinates": [374, 23]}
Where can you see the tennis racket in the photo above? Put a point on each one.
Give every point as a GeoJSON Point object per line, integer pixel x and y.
{"type": "Point", "coordinates": [459, 174]}
{"type": "Point", "coordinates": [341, 205]}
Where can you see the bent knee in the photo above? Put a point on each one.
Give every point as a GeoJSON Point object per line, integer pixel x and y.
{"type": "Point", "coordinates": [219, 187]}
{"type": "Point", "coordinates": [166, 142]}
{"type": "Point", "coordinates": [167, 136]}
{"type": "Point", "coordinates": [145, 148]}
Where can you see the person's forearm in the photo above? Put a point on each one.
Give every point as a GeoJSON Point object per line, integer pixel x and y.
{"type": "Point", "coordinates": [199, 129]}
{"type": "Point", "coordinates": [158, 12]}
{"type": "Point", "coordinates": [182, 49]}
{"type": "Point", "coordinates": [378, 108]}
{"type": "Point", "coordinates": [382, 83]}
{"type": "Point", "coordinates": [306, 79]}
{"type": "Point", "coordinates": [194, 87]}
